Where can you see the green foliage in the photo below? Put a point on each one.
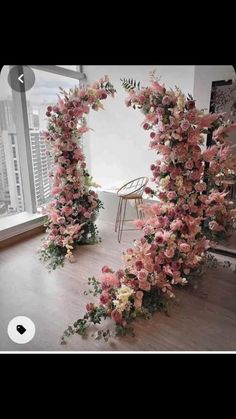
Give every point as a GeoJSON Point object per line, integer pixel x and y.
{"type": "Point", "coordinates": [153, 301]}
{"type": "Point", "coordinates": [130, 84]}
{"type": "Point", "coordinates": [96, 287]}
{"type": "Point", "coordinates": [53, 256]}
{"type": "Point", "coordinates": [81, 326]}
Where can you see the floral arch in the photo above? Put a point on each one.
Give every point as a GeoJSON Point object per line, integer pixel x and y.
{"type": "Point", "coordinates": [192, 212]}
{"type": "Point", "coordinates": [71, 214]}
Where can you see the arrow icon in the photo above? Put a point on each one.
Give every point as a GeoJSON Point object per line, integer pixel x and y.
{"type": "Point", "coordinates": [20, 78]}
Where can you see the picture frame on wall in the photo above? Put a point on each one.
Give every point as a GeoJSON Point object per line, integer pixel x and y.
{"type": "Point", "coordinates": [223, 100]}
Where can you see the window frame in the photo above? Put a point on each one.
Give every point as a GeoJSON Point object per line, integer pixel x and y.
{"type": "Point", "coordinates": [23, 138]}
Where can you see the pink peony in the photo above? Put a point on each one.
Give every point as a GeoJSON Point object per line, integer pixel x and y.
{"type": "Point", "coordinates": [109, 280]}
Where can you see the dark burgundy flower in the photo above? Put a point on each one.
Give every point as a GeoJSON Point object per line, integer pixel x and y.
{"type": "Point", "coordinates": [148, 190]}
{"type": "Point", "coordinates": [190, 104]}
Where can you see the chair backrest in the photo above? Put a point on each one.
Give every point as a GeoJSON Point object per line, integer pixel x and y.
{"type": "Point", "coordinates": [135, 186]}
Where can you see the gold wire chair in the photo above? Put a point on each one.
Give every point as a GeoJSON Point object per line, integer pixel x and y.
{"type": "Point", "coordinates": [132, 190]}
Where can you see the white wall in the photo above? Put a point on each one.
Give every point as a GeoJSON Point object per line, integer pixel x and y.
{"type": "Point", "coordinates": [204, 75]}
{"type": "Point", "coordinates": [117, 149]}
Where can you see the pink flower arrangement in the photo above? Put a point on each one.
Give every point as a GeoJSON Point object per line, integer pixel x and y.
{"type": "Point", "coordinates": [193, 211]}
{"type": "Point", "coordinates": [75, 204]}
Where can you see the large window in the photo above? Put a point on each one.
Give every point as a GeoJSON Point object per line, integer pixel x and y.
{"type": "Point", "coordinates": [25, 163]}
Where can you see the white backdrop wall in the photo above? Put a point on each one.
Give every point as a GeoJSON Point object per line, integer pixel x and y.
{"type": "Point", "coordinates": [118, 148]}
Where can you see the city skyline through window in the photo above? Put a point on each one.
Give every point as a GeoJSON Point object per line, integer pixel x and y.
{"type": "Point", "coordinates": [43, 93]}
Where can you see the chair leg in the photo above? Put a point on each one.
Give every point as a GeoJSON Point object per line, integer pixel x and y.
{"type": "Point", "coordinates": [136, 206]}
{"type": "Point", "coordinates": [118, 215]}
{"type": "Point", "coordinates": [122, 222]}
{"type": "Point", "coordinates": [119, 218]}
{"type": "Point", "coordinates": [140, 211]}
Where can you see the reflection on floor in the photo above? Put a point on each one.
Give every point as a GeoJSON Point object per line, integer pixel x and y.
{"type": "Point", "coordinates": [203, 318]}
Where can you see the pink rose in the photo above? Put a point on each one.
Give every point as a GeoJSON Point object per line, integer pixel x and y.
{"type": "Point", "coordinates": [139, 295]}
{"type": "Point", "coordinates": [160, 112]}
{"type": "Point", "coordinates": [106, 269]}
{"type": "Point", "coordinates": [120, 274]}
{"type": "Point", "coordinates": [184, 247]}
{"type": "Point", "coordinates": [139, 265]}
{"type": "Point", "coordinates": [56, 190]}
{"type": "Point", "coordinates": [169, 252]}
{"type": "Point", "coordinates": [176, 225]}
{"type": "Point", "coordinates": [165, 100]}
{"type": "Point", "coordinates": [139, 224]}
{"type": "Point", "coordinates": [87, 214]}
{"type": "Point", "coordinates": [200, 186]}
{"type": "Point", "coordinates": [171, 195]}
{"type": "Point", "coordinates": [185, 125]}
{"type": "Point", "coordinates": [104, 298]}
{"type": "Point", "coordinates": [147, 230]}
{"type": "Point", "coordinates": [189, 164]}
{"type": "Point", "coordinates": [137, 304]}
{"type": "Point", "coordinates": [159, 238]}
{"type": "Point", "coordinates": [142, 275]}
{"type": "Point", "coordinates": [90, 307]}
{"type": "Point", "coordinates": [116, 316]}
{"type": "Point", "coordinates": [144, 285]}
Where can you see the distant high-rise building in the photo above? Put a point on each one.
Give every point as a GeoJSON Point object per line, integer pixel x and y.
{"type": "Point", "coordinates": [42, 164]}
{"type": "Point", "coordinates": [4, 188]}
{"type": "Point", "coordinates": [11, 188]}
{"type": "Point", "coordinates": [13, 170]}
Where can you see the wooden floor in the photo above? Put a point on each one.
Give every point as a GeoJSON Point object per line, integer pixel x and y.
{"type": "Point", "coordinates": [203, 319]}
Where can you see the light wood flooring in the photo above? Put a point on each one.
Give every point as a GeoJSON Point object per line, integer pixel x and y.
{"type": "Point", "coordinates": [203, 318]}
